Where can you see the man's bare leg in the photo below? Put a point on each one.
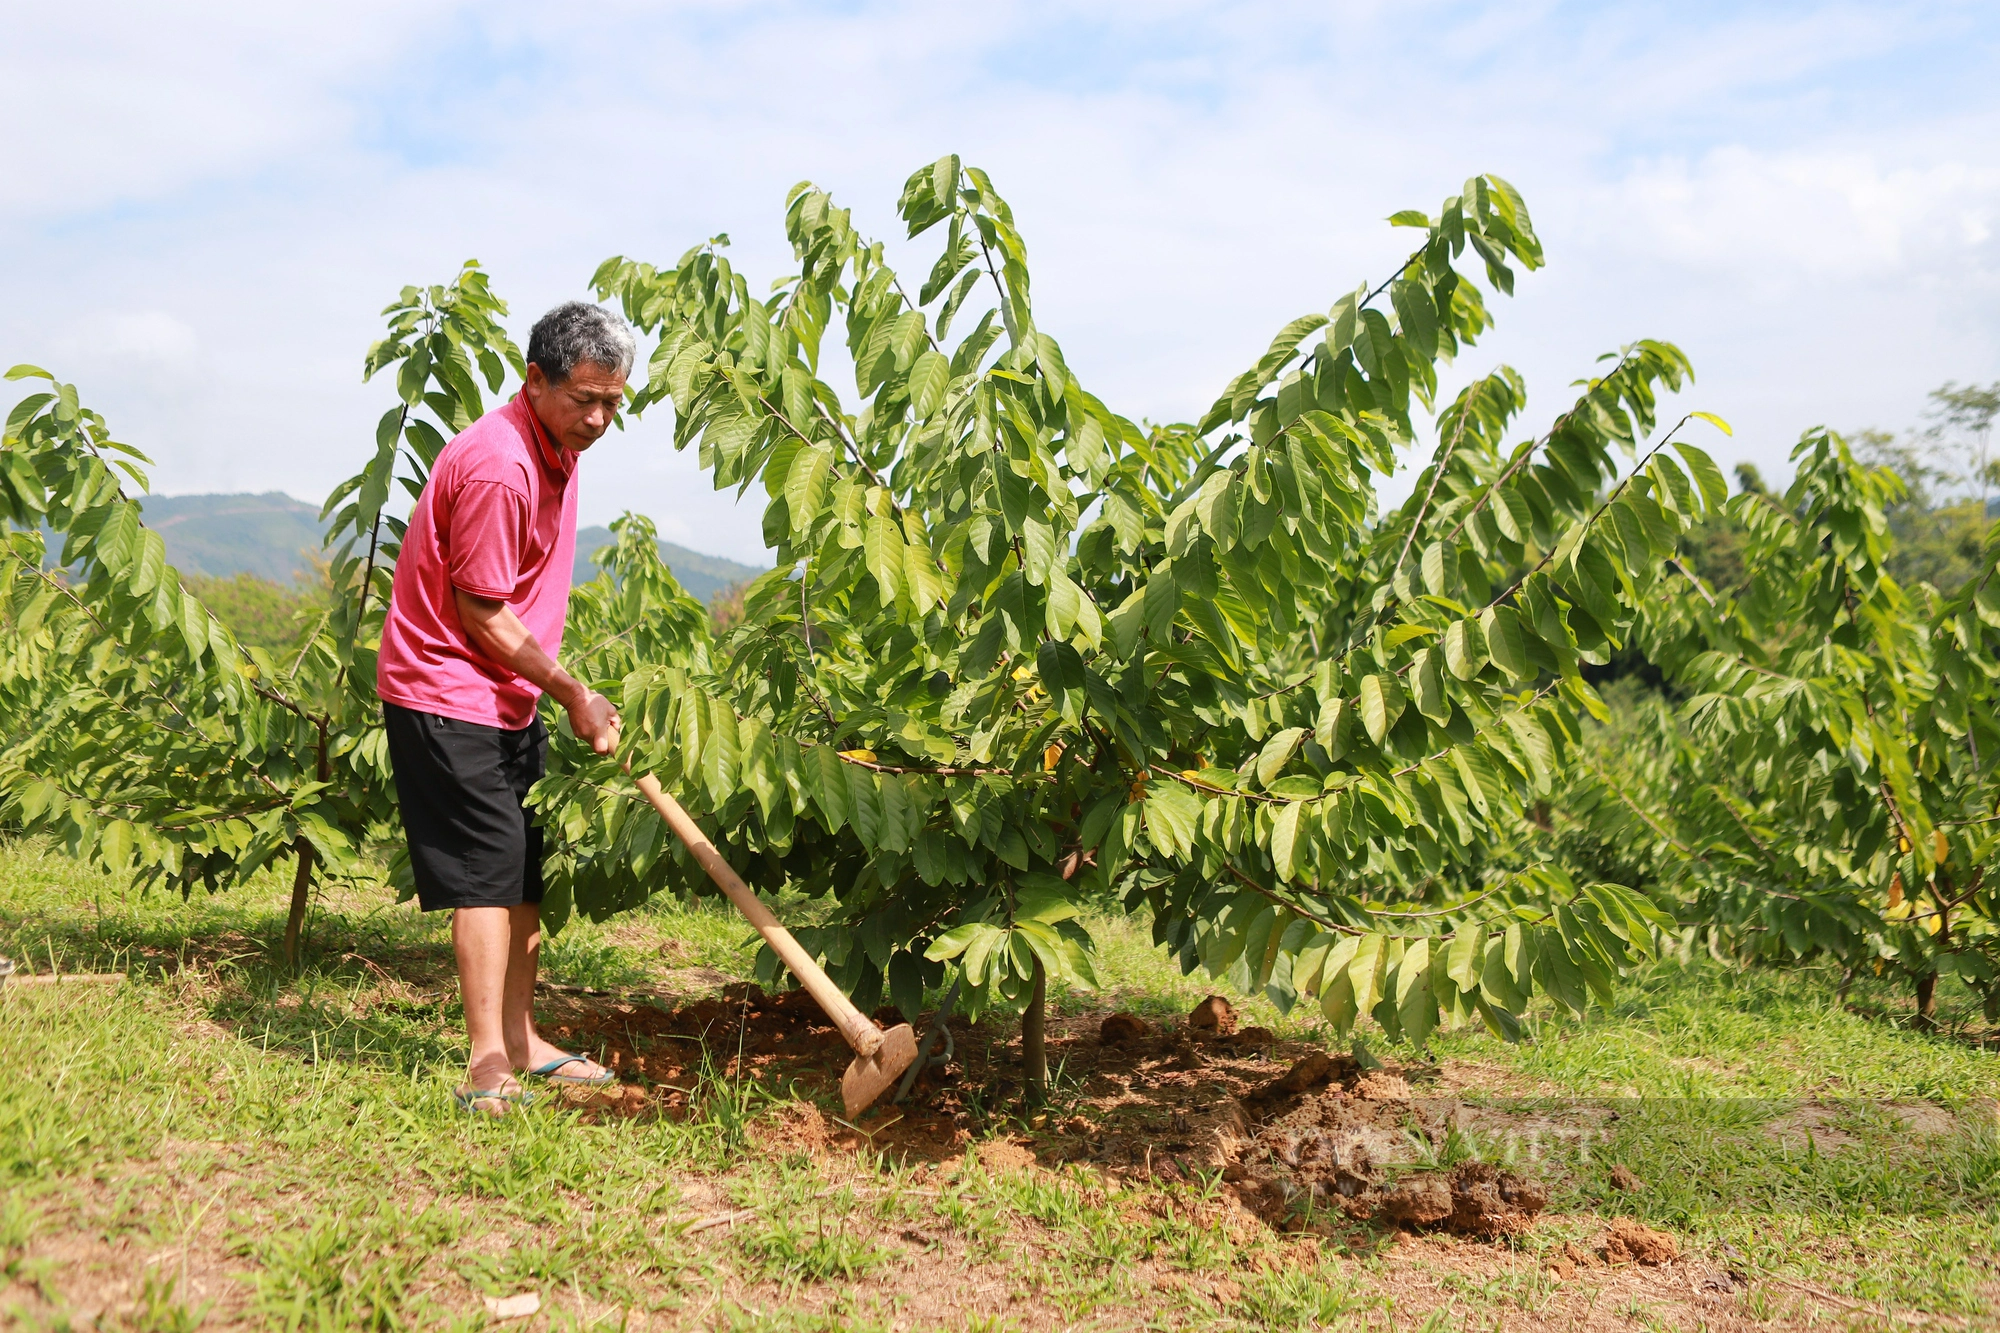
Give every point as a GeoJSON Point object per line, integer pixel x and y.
{"type": "Point", "coordinates": [525, 1047]}
{"type": "Point", "coordinates": [481, 937]}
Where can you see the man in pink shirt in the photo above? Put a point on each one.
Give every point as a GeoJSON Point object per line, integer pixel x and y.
{"type": "Point", "coordinates": [468, 649]}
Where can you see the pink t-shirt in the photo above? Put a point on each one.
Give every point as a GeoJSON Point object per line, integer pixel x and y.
{"type": "Point", "coordinates": [498, 519]}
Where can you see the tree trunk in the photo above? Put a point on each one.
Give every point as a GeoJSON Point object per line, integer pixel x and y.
{"type": "Point", "coordinates": [1034, 1051]}
{"type": "Point", "coordinates": [301, 893]}
{"type": "Point", "coordinates": [1927, 983]}
{"type": "Point", "coordinates": [1927, 1002]}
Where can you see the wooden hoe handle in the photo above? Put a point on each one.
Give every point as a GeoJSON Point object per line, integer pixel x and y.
{"type": "Point", "coordinates": [860, 1032]}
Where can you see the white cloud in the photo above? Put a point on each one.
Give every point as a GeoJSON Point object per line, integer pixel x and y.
{"type": "Point", "coordinates": [133, 101]}
{"type": "Point", "coordinates": [212, 208]}
{"type": "Point", "coordinates": [152, 336]}
{"type": "Point", "coordinates": [1790, 216]}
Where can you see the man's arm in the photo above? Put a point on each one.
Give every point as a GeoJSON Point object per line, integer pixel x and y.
{"type": "Point", "coordinates": [502, 637]}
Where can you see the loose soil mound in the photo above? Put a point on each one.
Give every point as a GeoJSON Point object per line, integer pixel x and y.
{"type": "Point", "coordinates": [1629, 1242]}
{"type": "Point", "coordinates": [1301, 1138]}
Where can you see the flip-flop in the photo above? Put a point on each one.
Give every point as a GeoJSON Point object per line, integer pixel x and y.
{"type": "Point", "coordinates": [548, 1072]}
{"type": "Point", "coordinates": [469, 1098]}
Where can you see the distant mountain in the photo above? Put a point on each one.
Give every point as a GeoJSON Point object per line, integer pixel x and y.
{"type": "Point", "coordinates": [275, 537]}
{"type": "Point", "coordinates": [702, 575]}
{"type": "Point", "coordinates": [271, 535]}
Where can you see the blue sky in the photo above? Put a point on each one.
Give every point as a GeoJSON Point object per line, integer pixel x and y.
{"type": "Point", "coordinates": [208, 203]}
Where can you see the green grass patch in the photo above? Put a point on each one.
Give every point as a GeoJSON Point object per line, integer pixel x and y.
{"type": "Point", "coordinates": [285, 1147]}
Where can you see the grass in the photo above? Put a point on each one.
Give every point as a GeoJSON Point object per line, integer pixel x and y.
{"type": "Point", "coordinates": [223, 1144]}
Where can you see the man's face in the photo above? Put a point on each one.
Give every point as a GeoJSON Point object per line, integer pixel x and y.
{"type": "Point", "coordinates": [581, 408]}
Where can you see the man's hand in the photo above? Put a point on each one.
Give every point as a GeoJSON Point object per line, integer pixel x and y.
{"type": "Point", "coordinates": [593, 719]}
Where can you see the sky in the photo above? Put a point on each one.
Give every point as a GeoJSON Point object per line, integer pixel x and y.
{"type": "Point", "coordinates": [208, 204]}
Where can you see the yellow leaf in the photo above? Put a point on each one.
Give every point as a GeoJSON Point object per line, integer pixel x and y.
{"type": "Point", "coordinates": [1896, 891]}
{"type": "Point", "coordinates": [1941, 846]}
{"type": "Point", "coordinates": [1051, 757]}
{"type": "Point", "coordinates": [1714, 421]}
{"type": "Point", "coordinates": [864, 756]}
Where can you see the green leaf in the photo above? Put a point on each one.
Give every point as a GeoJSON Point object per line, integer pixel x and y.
{"type": "Point", "coordinates": [1365, 973]}
{"type": "Point", "coordinates": [826, 777]}
{"type": "Point", "coordinates": [1436, 565]}
{"type": "Point", "coordinates": [1381, 705]}
{"type": "Point", "coordinates": [1038, 550]}
{"type": "Point", "coordinates": [1277, 752]}
{"type": "Point", "coordinates": [194, 626]}
{"type": "Point", "coordinates": [805, 486]}
{"type": "Point", "coordinates": [114, 845]}
{"type": "Point", "coordinates": [1464, 957]}
{"type": "Point", "coordinates": [1172, 813]}
{"type": "Point", "coordinates": [1501, 626]}
{"type": "Point", "coordinates": [758, 763]}
{"type": "Point", "coordinates": [1465, 649]}
{"type": "Point", "coordinates": [1497, 984]}
{"type": "Point", "coordinates": [864, 805]}
{"type": "Point", "coordinates": [1416, 1006]}
{"type": "Point", "coordinates": [1714, 491]}
{"type": "Point", "coordinates": [1288, 840]}
{"type": "Point", "coordinates": [928, 380]}
{"type": "Point", "coordinates": [1428, 685]}
{"type": "Point", "coordinates": [883, 548]}
{"type": "Point", "coordinates": [1044, 898]}
{"type": "Point", "coordinates": [1306, 968]}
{"type": "Point", "coordinates": [1560, 976]}
{"type": "Point", "coordinates": [1336, 997]}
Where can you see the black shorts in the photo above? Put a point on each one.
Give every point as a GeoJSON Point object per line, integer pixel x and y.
{"type": "Point", "coordinates": [461, 786]}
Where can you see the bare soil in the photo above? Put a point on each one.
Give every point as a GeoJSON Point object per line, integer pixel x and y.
{"type": "Point", "coordinates": [1301, 1139]}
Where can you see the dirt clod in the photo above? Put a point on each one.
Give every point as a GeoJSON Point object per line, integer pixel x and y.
{"type": "Point", "coordinates": [1121, 1028]}
{"type": "Point", "coordinates": [1213, 1017]}
{"type": "Point", "coordinates": [1381, 1087]}
{"type": "Point", "coordinates": [795, 1127]}
{"type": "Point", "coordinates": [1487, 1201]}
{"type": "Point", "coordinates": [1001, 1156]}
{"type": "Point", "coordinates": [1418, 1201]}
{"type": "Point", "coordinates": [1184, 1054]}
{"type": "Point", "coordinates": [1630, 1242]}
{"type": "Point", "coordinates": [1579, 1256]}
{"type": "Point", "coordinates": [1253, 1039]}
{"type": "Point", "coordinates": [1264, 1197]}
{"type": "Point", "coordinates": [1623, 1179]}
{"type": "Point", "coordinates": [1312, 1070]}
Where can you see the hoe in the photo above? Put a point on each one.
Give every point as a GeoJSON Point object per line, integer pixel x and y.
{"type": "Point", "coordinates": [879, 1057]}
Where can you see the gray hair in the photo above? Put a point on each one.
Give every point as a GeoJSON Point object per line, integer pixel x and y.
{"type": "Point", "coordinates": [578, 331]}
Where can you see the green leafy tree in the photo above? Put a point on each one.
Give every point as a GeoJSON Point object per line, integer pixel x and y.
{"type": "Point", "coordinates": [1829, 788]}
{"type": "Point", "coordinates": [1962, 423]}
{"type": "Point", "coordinates": [259, 612]}
{"type": "Point", "coordinates": [1018, 653]}
{"type": "Point", "coordinates": [139, 730]}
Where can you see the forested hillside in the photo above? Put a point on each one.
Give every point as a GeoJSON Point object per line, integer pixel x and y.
{"type": "Point", "coordinates": [276, 539]}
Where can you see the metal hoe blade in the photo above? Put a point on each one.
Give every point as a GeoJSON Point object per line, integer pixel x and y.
{"type": "Point", "coordinates": [869, 1076]}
